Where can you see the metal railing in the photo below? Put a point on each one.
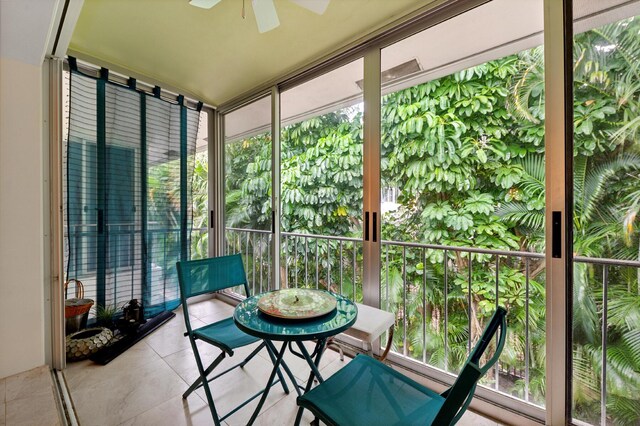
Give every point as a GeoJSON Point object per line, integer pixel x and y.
{"type": "Point", "coordinates": [437, 293]}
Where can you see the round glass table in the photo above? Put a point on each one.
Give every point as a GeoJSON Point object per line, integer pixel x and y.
{"type": "Point", "coordinates": [250, 319]}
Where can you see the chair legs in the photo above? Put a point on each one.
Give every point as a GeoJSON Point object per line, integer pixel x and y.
{"type": "Point", "coordinates": [204, 381]}
{"type": "Point", "coordinates": [195, 385]}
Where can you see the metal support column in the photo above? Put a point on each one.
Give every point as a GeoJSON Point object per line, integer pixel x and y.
{"type": "Point", "coordinates": [559, 199]}
{"type": "Point", "coordinates": [275, 187]}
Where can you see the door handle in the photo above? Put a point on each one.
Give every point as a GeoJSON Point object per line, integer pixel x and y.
{"type": "Point", "coordinates": [366, 226]}
{"type": "Point", "coordinates": [556, 234]}
{"type": "Point", "coordinates": [375, 227]}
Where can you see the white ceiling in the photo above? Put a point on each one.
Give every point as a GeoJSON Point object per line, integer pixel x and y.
{"type": "Point", "coordinates": [215, 55]}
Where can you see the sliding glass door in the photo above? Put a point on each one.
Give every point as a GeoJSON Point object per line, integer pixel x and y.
{"type": "Point", "coordinates": [248, 189]}
{"type": "Point", "coordinates": [462, 191]}
{"type": "Point", "coordinates": [606, 177]}
{"type": "Point", "coordinates": [321, 169]}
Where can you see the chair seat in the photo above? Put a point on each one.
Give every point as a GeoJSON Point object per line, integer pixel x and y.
{"type": "Point", "coordinates": [225, 335]}
{"type": "Point", "coordinates": [368, 392]}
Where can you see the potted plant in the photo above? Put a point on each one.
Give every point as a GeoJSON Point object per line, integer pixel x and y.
{"type": "Point", "coordinates": [105, 316]}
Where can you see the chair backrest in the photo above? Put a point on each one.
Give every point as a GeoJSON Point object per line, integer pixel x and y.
{"type": "Point", "coordinates": [203, 276]}
{"type": "Point", "coordinates": [458, 397]}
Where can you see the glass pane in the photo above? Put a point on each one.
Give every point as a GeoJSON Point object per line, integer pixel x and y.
{"type": "Point", "coordinates": [247, 151]}
{"type": "Point", "coordinates": [462, 181]}
{"type": "Point", "coordinates": [200, 188]}
{"type": "Point", "coordinates": [321, 182]}
{"type": "Point", "coordinates": [606, 175]}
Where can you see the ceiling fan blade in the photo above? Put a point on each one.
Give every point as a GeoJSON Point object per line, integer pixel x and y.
{"type": "Point", "coordinates": [266, 16]}
{"type": "Point", "coordinates": [316, 6]}
{"type": "Point", "coordinates": [204, 4]}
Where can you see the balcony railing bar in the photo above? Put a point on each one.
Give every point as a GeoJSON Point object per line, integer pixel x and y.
{"type": "Point", "coordinates": [471, 250]}
{"type": "Point", "coordinates": [253, 264]}
{"type": "Point", "coordinates": [248, 230]}
{"type": "Point", "coordinates": [446, 311]}
{"type": "Point", "coordinates": [260, 257]}
{"type": "Point", "coordinates": [404, 301]}
{"type": "Point", "coordinates": [424, 305]}
{"type": "Point", "coordinates": [328, 264]}
{"type": "Point", "coordinates": [603, 372]}
{"type": "Point", "coordinates": [470, 272]}
{"type": "Point", "coordinates": [317, 268]}
{"type": "Point", "coordinates": [603, 261]}
{"type": "Point", "coordinates": [526, 330]}
{"type": "Point", "coordinates": [497, 366]}
{"type": "Point", "coordinates": [295, 261]}
{"type": "Point", "coordinates": [340, 263]}
{"type": "Point", "coordinates": [354, 271]}
{"type": "Point", "coordinates": [306, 264]}
{"type": "Point", "coordinates": [247, 255]}
{"type": "Point", "coordinates": [387, 276]}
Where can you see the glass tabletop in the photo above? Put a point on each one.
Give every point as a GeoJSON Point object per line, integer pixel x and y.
{"type": "Point", "coordinates": [252, 321]}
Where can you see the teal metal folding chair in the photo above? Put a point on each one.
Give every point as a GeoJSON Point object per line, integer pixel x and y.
{"type": "Point", "coordinates": [198, 277]}
{"type": "Point", "coordinates": [368, 392]}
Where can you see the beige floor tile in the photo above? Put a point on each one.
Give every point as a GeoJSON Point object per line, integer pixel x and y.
{"type": "Point", "coordinates": [329, 369]}
{"type": "Point", "coordinates": [175, 412]}
{"type": "Point", "coordinates": [79, 374]}
{"type": "Point", "coordinates": [119, 394]}
{"type": "Point", "coordinates": [283, 413]}
{"type": "Point", "coordinates": [217, 316]}
{"type": "Point", "coordinates": [184, 362]}
{"type": "Point", "coordinates": [178, 321]}
{"type": "Point", "coordinates": [35, 409]}
{"type": "Point", "coordinates": [238, 385]}
{"type": "Point", "coordinates": [209, 307]}
{"type": "Point", "coordinates": [166, 341]}
{"type": "Point", "coordinates": [30, 383]}
{"type": "Point", "coordinates": [2, 414]}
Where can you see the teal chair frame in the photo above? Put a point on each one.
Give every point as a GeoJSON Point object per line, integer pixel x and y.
{"type": "Point", "coordinates": [205, 276]}
{"type": "Point", "coordinates": [368, 392]}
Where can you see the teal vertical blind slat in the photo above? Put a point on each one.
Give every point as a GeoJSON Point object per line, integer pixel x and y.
{"type": "Point", "coordinates": [129, 165]}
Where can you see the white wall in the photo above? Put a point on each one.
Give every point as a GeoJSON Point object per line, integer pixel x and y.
{"type": "Point", "coordinates": [25, 27]}
{"type": "Point", "coordinates": [21, 217]}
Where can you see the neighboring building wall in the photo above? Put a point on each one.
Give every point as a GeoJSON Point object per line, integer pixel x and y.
{"type": "Point", "coordinates": [21, 218]}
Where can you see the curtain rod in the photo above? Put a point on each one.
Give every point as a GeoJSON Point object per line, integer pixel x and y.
{"type": "Point", "coordinates": [93, 71]}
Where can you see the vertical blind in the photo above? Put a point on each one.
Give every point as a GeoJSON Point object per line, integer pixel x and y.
{"type": "Point", "coordinates": [130, 158]}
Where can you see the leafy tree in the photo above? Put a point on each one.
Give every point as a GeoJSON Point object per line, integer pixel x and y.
{"type": "Point", "coordinates": [466, 152]}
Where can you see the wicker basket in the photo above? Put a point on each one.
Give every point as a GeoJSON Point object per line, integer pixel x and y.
{"type": "Point", "coordinates": [77, 305]}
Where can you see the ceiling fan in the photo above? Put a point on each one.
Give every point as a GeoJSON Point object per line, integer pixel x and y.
{"type": "Point", "coordinates": [265, 10]}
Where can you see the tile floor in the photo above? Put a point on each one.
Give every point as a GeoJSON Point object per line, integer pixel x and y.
{"type": "Point", "coordinates": [144, 385]}
{"type": "Point", "coordinates": [28, 399]}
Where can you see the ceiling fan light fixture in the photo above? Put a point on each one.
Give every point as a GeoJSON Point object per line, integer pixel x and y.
{"type": "Point", "coordinates": [204, 4]}
{"type": "Point", "coordinates": [266, 15]}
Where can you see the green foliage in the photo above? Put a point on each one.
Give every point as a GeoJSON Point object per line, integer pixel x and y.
{"type": "Point", "coordinates": [467, 154]}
